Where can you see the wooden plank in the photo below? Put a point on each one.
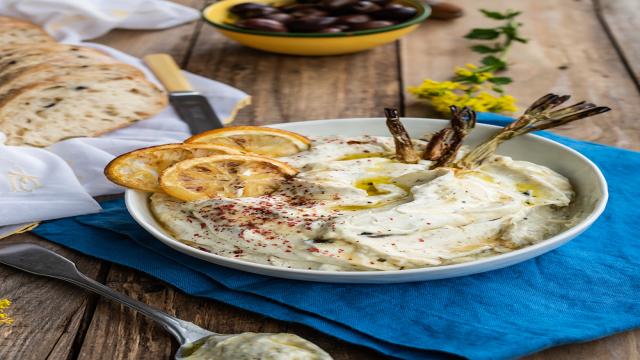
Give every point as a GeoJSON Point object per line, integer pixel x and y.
{"type": "Point", "coordinates": [625, 346]}
{"type": "Point", "coordinates": [47, 313]}
{"type": "Point", "coordinates": [569, 52]}
{"type": "Point", "coordinates": [293, 88]}
{"type": "Point", "coordinates": [142, 42]}
{"type": "Point", "coordinates": [120, 333]}
{"type": "Point", "coordinates": [622, 20]}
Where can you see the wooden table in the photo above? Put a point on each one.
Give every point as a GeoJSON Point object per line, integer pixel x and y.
{"type": "Point", "coordinates": [588, 48]}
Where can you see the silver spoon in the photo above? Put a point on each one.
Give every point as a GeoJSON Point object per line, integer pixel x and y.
{"type": "Point", "coordinates": [195, 342]}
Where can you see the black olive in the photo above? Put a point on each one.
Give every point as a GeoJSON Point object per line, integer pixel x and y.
{"type": "Point", "coordinates": [296, 7]}
{"type": "Point", "coordinates": [380, 2]}
{"type": "Point", "coordinates": [261, 13]}
{"type": "Point", "coordinates": [330, 30]}
{"type": "Point", "coordinates": [251, 10]}
{"type": "Point", "coordinates": [375, 24]}
{"type": "Point", "coordinates": [353, 19]}
{"type": "Point", "coordinates": [395, 12]}
{"type": "Point", "coordinates": [311, 23]}
{"type": "Point", "coordinates": [280, 17]}
{"type": "Point", "coordinates": [365, 7]}
{"type": "Point", "coordinates": [337, 4]}
{"type": "Point", "coordinates": [240, 8]}
{"type": "Point", "coordinates": [309, 12]}
{"type": "Point", "coordinates": [262, 24]}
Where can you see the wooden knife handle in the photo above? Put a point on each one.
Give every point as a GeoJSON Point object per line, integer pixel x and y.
{"type": "Point", "coordinates": [168, 72]}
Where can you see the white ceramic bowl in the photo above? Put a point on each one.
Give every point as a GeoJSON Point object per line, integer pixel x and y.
{"type": "Point", "coordinates": [586, 178]}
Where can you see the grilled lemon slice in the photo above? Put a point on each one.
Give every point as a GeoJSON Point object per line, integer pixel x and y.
{"type": "Point", "coordinates": [140, 169]}
{"type": "Point", "coordinates": [228, 176]}
{"type": "Point", "coordinates": [255, 139]}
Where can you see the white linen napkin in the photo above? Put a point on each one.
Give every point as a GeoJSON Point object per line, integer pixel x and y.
{"type": "Point", "coordinates": [75, 20]}
{"type": "Point", "coordinates": [40, 184]}
{"type": "Point", "coordinates": [87, 157]}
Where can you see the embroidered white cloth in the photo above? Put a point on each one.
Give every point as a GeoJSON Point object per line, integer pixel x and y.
{"type": "Point", "coordinates": [75, 20]}
{"type": "Point", "coordinates": [38, 185]}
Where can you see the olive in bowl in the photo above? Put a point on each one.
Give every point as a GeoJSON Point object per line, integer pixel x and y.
{"type": "Point", "coordinates": [314, 27]}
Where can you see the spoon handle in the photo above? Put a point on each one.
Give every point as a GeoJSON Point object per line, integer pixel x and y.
{"type": "Point", "coordinates": [41, 261]}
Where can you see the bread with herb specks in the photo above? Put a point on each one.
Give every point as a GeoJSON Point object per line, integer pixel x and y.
{"type": "Point", "coordinates": [18, 32]}
{"type": "Point", "coordinates": [54, 54]}
{"type": "Point", "coordinates": [76, 106]}
{"type": "Point", "coordinates": [35, 74]}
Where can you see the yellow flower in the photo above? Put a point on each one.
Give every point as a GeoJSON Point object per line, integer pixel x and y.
{"type": "Point", "coordinates": [434, 88]}
{"type": "Point", "coordinates": [4, 303]}
{"type": "Point", "coordinates": [463, 72]}
{"type": "Point", "coordinates": [442, 103]}
{"type": "Point", "coordinates": [469, 74]}
{"type": "Point", "coordinates": [484, 76]}
{"type": "Point", "coordinates": [4, 319]}
{"type": "Point", "coordinates": [477, 104]}
{"type": "Point", "coordinates": [442, 94]}
{"type": "Point", "coordinates": [507, 103]}
{"type": "Point", "coordinates": [489, 102]}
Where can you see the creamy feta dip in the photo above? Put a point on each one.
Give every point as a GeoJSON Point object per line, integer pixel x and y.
{"type": "Point", "coordinates": [253, 346]}
{"type": "Point", "coordinates": [353, 207]}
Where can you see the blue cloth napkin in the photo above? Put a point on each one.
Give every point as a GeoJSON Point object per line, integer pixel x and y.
{"type": "Point", "coordinates": [586, 289]}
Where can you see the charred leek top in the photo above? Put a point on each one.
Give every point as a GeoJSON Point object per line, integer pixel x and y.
{"type": "Point", "coordinates": [445, 144]}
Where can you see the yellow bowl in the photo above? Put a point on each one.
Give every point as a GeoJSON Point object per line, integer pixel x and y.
{"type": "Point", "coordinates": [314, 44]}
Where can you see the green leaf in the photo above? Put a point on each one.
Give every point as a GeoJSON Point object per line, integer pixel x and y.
{"type": "Point", "coordinates": [500, 80]}
{"type": "Point", "coordinates": [492, 14]}
{"type": "Point", "coordinates": [483, 34]}
{"type": "Point", "coordinates": [494, 62]}
{"type": "Point", "coordinates": [464, 79]}
{"type": "Point", "coordinates": [509, 14]}
{"type": "Point", "coordinates": [510, 29]}
{"type": "Point", "coordinates": [474, 80]}
{"type": "Point", "coordinates": [498, 89]}
{"type": "Point", "coordinates": [483, 49]}
{"type": "Point", "coordinates": [519, 39]}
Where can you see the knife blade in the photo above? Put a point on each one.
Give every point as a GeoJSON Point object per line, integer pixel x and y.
{"type": "Point", "coordinates": [192, 107]}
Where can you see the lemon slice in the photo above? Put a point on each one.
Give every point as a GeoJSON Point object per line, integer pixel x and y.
{"type": "Point", "coordinates": [255, 139]}
{"type": "Point", "coordinates": [140, 169]}
{"type": "Point", "coordinates": [228, 176]}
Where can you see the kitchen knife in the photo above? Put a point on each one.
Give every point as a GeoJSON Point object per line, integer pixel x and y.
{"type": "Point", "coordinates": [192, 107]}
